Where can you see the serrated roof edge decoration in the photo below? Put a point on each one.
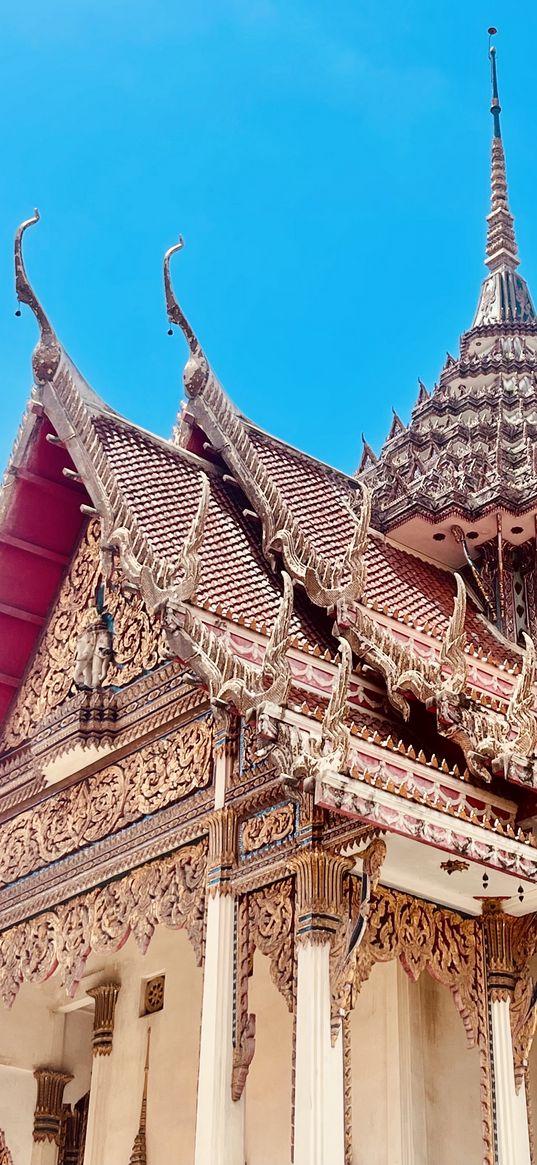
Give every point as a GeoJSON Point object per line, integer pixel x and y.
{"type": "Point", "coordinates": [326, 581]}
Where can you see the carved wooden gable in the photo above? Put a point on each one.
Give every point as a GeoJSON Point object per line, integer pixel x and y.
{"type": "Point", "coordinates": [138, 643]}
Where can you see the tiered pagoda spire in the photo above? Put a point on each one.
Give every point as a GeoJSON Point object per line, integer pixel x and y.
{"type": "Point", "coordinates": [504, 296]}
{"type": "Point", "coordinates": [459, 483]}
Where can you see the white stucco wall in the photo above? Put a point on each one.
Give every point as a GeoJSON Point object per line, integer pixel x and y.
{"type": "Point", "coordinates": [453, 1108]}
{"type": "Point", "coordinates": [174, 1052]}
{"type": "Point", "coordinates": [416, 1097]}
{"type": "Point", "coordinates": [268, 1089]}
{"type": "Point", "coordinates": [17, 1103]}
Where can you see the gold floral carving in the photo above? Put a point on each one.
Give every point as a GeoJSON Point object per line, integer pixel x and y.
{"type": "Point", "coordinates": [5, 1155]}
{"type": "Point", "coordinates": [138, 642]}
{"type": "Point", "coordinates": [243, 1021]}
{"type": "Point", "coordinates": [169, 891]}
{"type": "Point", "coordinates": [267, 828]}
{"type": "Point", "coordinates": [523, 1014]}
{"type": "Point", "coordinates": [424, 937]}
{"type": "Point", "coordinates": [429, 938]}
{"type": "Point", "coordinates": [271, 925]}
{"type": "Point", "coordinates": [157, 775]}
{"type": "Point", "coordinates": [264, 921]}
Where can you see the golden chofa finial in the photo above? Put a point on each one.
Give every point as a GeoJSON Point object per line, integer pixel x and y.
{"type": "Point", "coordinates": [47, 353]}
{"type": "Point", "coordinates": [196, 370]}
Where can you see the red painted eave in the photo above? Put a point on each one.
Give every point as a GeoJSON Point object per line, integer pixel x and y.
{"type": "Point", "coordinates": [39, 528]}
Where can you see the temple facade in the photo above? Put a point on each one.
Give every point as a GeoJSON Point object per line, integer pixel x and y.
{"type": "Point", "coordinates": [268, 772]}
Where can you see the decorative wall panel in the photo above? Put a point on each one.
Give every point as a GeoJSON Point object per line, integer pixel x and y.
{"type": "Point", "coordinates": [157, 775]}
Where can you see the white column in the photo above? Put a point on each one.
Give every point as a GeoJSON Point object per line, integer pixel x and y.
{"type": "Point", "coordinates": [219, 1119]}
{"type": "Point", "coordinates": [101, 1095]}
{"type": "Point", "coordinates": [511, 1109]}
{"type": "Point", "coordinates": [44, 1153]}
{"type": "Point", "coordinates": [99, 1110]}
{"type": "Point", "coordinates": [319, 1078]}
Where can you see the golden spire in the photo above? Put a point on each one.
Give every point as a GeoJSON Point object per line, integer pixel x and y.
{"type": "Point", "coordinates": [505, 297]}
{"type": "Point", "coordinates": [501, 242]}
{"type": "Point", "coordinates": [139, 1149]}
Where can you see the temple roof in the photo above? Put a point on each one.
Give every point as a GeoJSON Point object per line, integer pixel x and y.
{"type": "Point", "coordinates": [224, 524]}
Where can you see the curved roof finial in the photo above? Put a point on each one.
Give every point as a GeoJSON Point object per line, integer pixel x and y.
{"type": "Point", "coordinates": [47, 353]}
{"type": "Point", "coordinates": [196, 370]}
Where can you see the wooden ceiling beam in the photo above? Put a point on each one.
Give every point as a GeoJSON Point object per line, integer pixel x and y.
{"type": "Point", "coordinates": [35, 549]}
{"type": "Point", "coordinates": [19, 613]}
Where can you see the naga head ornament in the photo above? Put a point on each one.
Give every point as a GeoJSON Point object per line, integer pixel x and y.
{"type": "Point", "coordinates": [47, 353]}
{"type": "Point", "coordinates": [196, 371]}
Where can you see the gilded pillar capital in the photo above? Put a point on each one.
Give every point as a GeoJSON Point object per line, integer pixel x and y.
{"type": "Point", "coordinates": [48, 1109]}
{"type": "Point", "coordinates": [500, 949]}
{"type": "Point", "coordinates": [319, 893]}
{"type": "Point", "coordinates": [222, 854]}
{"type": "Point", "coordinates": [105, 996]}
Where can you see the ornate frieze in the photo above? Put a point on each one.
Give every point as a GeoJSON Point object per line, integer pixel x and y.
{"type": "Point", "coordinates": [138, 642]}
{"type": "Point", "coordinates": [424, 937]}
{"type": "Point", "coordinates": [434, 821]}
{"type": "Point", "coordinates": [169, 891]}
{"type": "Point", "coordinates": [105, 997]}
{"type": "Point", "coordinates": [49, 1108]}
{"type": "Point", "coordinates": [268, 828]}
{"type": "Point", "coordinates": [140, 784]}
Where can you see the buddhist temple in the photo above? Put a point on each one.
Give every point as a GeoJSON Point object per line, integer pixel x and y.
{"type": "Point", "coordinates": [268, 767]}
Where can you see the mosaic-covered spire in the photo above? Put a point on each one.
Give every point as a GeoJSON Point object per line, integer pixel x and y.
{"type": "Point", "coordinates": [505, 297]}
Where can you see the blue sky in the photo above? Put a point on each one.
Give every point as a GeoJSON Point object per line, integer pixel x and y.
{"type": "Point", "coordinates": [327, 163]}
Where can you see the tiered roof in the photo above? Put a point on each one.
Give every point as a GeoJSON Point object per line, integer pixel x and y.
{"type": "Point", "coordinates": [469, 449]}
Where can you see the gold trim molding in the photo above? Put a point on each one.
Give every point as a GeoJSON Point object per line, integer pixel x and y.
{"type": "Point", "coordinates": [48, 1109]}
{"type": "Point", "coordinates": [105, 996]}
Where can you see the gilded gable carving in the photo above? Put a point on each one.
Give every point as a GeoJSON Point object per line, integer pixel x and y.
{"type": "Point", "coordinates": [138, 643]}
{"type": "Point", "coordinates": [155, 776]}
